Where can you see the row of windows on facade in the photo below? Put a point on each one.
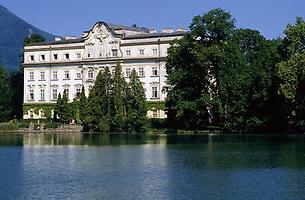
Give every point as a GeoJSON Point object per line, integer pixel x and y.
{"type": "Point", "coordinates": [154, 93]}
{"type": "Point", "coordinates": [90, 74]}
{"type": "Point", "coordinates": [114, 53]}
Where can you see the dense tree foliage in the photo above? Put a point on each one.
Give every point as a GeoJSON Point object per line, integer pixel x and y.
{"type": "Point", "coordinates": [63, 112]}
{"type": "Point", "coordinates": [113, 104]}
{"type": "Point", "coordinates": [34, 38]}
{"type": "Point", "coordinates": [6, 109]}
{"type": "Point", "coordinates": [136, 105]}
{"type": "Point", "coordinates": [235, 78]}
{"type": "Point", "coordinates": [291, 74]}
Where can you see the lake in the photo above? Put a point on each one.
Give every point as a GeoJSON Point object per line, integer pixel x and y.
{"type": "Point", "coordinates": [152, 167]}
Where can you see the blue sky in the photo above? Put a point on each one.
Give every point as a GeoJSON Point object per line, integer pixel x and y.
{"type": "Point", "coordinates": [72, 17]}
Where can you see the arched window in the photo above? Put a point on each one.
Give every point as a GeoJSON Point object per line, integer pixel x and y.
{"type": "Point", "coordinates": [90, 74]}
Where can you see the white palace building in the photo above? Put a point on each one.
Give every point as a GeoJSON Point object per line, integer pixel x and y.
{"type": "Point", "coordinates": [65, 65]}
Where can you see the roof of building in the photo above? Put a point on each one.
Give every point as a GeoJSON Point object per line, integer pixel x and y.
{"type": "Point", "coordinates": [130, 28]}
{"type": "Point", "coordinates": [153, 35]}
{"type": "Point", "coordinates": [70, 41]}
{"type": "Point", "coordinates": [145, 34]}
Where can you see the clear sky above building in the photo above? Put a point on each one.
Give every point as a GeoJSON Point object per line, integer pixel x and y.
{"type": "Point", "coordinates": [72, 17]}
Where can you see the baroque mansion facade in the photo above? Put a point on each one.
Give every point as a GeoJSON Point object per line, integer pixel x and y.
{"type": "Point", "coordinates": [66, 65]}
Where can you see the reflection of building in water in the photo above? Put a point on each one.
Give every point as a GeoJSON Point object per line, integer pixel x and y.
{"type": "Point", "coordinates": [65, 66]}
{"type": "Point", "coordinates": [91, 139]}
{"type": "Point", "coordinates": [52, 139]}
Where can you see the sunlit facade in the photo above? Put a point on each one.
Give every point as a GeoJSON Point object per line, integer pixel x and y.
{"type": "Point", "coordinates": [65, 65]}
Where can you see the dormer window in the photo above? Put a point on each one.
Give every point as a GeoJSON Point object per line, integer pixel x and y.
{"type": "Point", "coordinates": [78, 55]}
{"type": "Point", "coordinates": [89, 55]}
{"type": "Point", "coordinates": [55, 56]}
{"type": "Point", "coordinates": [42, 57]}
{"type": "Point", "coordinates": [32, 58]}
{"type": "Point", "coordinates": [67, 56]}
{"type": "Point", "coordinates": [141, 51]}
{"type": "Point", "coordinates": [155, 51]}
{"type": "Point", "coordinates": [114, 53]}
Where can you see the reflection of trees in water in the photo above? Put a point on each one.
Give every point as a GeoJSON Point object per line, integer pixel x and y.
{"type": "Point", "coordinates": [217, 151]}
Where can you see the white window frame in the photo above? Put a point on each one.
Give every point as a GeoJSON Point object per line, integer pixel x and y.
{"type": "Point", "coordinates": [42, 94]}
{"type": "Point", "coordinates": [54, 94]}
{"type": "Point", "coordinates": [54, 75]}
{"type": "Point", "coordinates": [31, 76]}
{"type": "Point", "coordinates": [90, 74]}
{"type": "Point", "coordinates": [31, 95]}
{"type": "Point", "coordinates": [154, 92]}
{"type": "Point", "coordinates": [128, 72]}
{"type": "Point", "coordinates": [141, 72]}
{"type": "Point", "coordinates": [42, 76]}
{"type": "Point", "coordinates": [67, 75]}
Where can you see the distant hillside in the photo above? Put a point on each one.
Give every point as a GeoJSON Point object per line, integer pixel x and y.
{"type": "Point", "coordinates": [13, 30]}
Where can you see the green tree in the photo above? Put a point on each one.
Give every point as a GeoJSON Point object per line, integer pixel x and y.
{"type": "Point", "coordinates": [247, 88]}
{"type": "Point", "coordinates": [16, 82]}
{"type": "Point", "coordinates": [34, 38]}
{"type": "Point", "coordinates": [83, 106]}
{"type": "Point", "coordinates": [63, 109]}
{"type": "Point", "coordinates": [118, 106]}
{"type": "Point", "coordinates": [100, 103]}
{"type": "Point", "coordinates": [6, 109]}
{"type": "Point", "coordinates": [291, 74]}
{"type": "Point", "coordinates": [136, 105]}
{"type": "Point", "coordinates": [193, 67]}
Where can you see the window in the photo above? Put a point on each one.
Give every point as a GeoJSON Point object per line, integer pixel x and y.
{"type": "Point", "coordinates": [42, 76]}
{"type": "Point", "coordinates": [55, 56]}
{"type": "Point", "coordinates": [54, 73]}
{"type": "Point", "coordinates": [89, 55]}
{"type": "Point", "coordinates": [54, 94]}
{"type": "Point", "coordinates": [67, 56]}
{"type": "Point", "coordinates": [32, 58]}
{"type": "Point", "coordinates": [154, 71]}
{"type": "Point", "coordinates": [42, 113]}
{"type": "Point", "coordinates": [141, 51]}
{"type": "Point", "coordinates": [66, 92]}
{"type": "Point", "coordinates": [78, 55]}
{"type": "Point", "coordinates": [113, 71]}
{"type": "Point", "coordinates": [78, 91]}
{"type": "Point", "coordinates": [154, 90]}
{"type": "Point", "coordinates": [90, 74]}
{"type": "Point", "coordinates": [42, 57]}
{"type": "Point", "coordinates": [128, 72]}
{"type": "Point", "coordinates": [31, 113]}
{"type": "Point", "coordinates": [42, 96]}
{"type": "Point", "coordinates": [31, 95]}
{"type": "Point", "coordinates": [141, 72]}
{"type": "Point", "coordinates": [78, 75]}
{"type": "Point", "coordinates": [67, 75]}
{"type": "Point", "coordinates": [90, 88]}
{"type": "Point", "coordinates": [31, 76]}
{"type": "Point", "coordinates": [114, 53]}
{"type": "Point", "coordinates": [155, 113]}
{"type": "Point", "coordinates": [155, 51]}
{"type": "Point", "coordinates": [128, 53]}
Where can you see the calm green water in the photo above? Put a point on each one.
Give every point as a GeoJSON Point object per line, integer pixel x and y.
{"type": "Point", "coordinates": [152, 167]}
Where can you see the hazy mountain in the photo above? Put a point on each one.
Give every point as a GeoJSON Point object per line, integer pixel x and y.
{"type": "Point", "coordinates": [13, 30]}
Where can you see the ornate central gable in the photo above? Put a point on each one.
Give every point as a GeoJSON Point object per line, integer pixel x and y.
{"type": "Point", "coordinates": [102, 42]}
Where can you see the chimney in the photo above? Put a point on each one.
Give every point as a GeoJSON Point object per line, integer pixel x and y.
{"type": "Point", "coordinates": [152, 31]}
{"type": "Point", "coordinates": [181, 30]}
{"type": "Point", "coordinates": [167, 30]}
{"type": "Point", "coordinates": [57, 39]}
{"type": "Point", "coordinates": [70, 37]}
